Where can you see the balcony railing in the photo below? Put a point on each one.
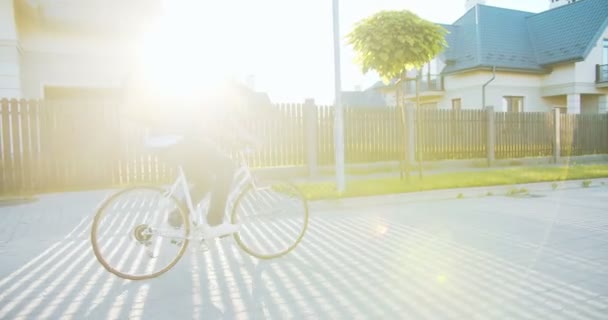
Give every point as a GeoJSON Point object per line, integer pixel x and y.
{"type": "Point", "coordinates": [601, 73]}
{"type": "Point", "coordinates": [427, 83]}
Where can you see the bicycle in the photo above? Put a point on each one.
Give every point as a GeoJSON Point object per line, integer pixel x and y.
{"type": "Point", "coordinates": [129, 243]}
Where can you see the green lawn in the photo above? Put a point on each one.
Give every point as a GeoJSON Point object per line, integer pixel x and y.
{"type": "Point", "coordinates": [317, 191]}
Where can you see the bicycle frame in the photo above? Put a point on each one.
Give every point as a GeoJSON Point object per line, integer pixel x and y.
{"type": "Point", "coordinates": [181, 184]}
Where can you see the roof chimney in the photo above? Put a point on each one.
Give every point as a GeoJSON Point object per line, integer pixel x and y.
{"type": "Point", "coordinates": [469, 4]}
{"type": "Point", "coordinates": [250, 82]}
{"type": "Point", "coordinates": [559, 3]}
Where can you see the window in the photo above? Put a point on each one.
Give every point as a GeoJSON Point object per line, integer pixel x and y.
{"type": "Point", "coordinates": [514, 104]}
{"type": "Point", "coordinates": [456, 104]}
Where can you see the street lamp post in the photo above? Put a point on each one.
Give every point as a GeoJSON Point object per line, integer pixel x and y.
{"type": "Point", "coordinates": [339, 110]}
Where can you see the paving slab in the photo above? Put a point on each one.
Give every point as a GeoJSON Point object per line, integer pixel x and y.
{"type": "Point", "coordinates": [415, 256]}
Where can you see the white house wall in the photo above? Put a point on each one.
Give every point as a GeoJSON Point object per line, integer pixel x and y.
{"type": "Point", "coordinates": [465, 80]}
{"type": "Point", "coordinates": [68, 70]}
{"type": "Point", "coordinates": [576, 78]}
{"type": "Point", "coordinates": [559, 76]}
{"type": "Point", "coordinates": [390, 98]}
{"type": "Point", "coordinates": [468, 87]}
{"type": "Point", "coordinates": [585, 70]}
{"type": "Point", "coordinates": [10, 83]}
{"type": "Point", "coordinates": [470, 98]}
{"type": "Point", "coordinates": [61, 59]}
{"type": "Point", "coordinates": [556, 101]}
{"type": "Point", "coordinates": [478, 78]}
{"type": "Point", "coordinates": [589, 104]}
{"type": "Point", "coordinates": [8, 28]}
{"type": "Point", "coordinates": [533, 101]}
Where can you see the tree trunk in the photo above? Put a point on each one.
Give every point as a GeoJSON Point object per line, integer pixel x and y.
{"type": "Point", "coordinates": [400, 95]}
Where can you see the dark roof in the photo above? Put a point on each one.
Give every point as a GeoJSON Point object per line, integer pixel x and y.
{"type": "Point", "coordinates": [371, 97]}
{"type": "Point", "coordinates": [378, 85]}
{"type": "Point", "coordinates": [505, 40]}
{"type": "Point", "coordinates": [255, 98]}
{"type": "Point", "coordinates": [260, 98]}
{"type": "Point", "coordinates": [569, 32]}
{"type": "Point", "coordinates": [462, 51]}
{"type": "Point", "coordinates": [509, 39]}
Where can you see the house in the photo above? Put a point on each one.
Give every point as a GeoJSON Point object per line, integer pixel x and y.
{"type": "Point", "coordinates": [73, 49]}
{"type": "Point", "coordinates": [554, 59]}
{"type": "Point", "coordinates": [370, 97]}
{"type": "Point", "coordinates": [68, 48]}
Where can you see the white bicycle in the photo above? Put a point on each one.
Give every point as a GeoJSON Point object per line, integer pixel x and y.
{"type": "Point", "coordinates": [133, 236]}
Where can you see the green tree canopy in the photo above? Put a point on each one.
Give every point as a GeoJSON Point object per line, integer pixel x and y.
{"type": "Point", "coordinates": [392, 42]}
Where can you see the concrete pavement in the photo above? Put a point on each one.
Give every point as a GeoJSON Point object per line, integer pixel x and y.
{"type": "Point", "coordinates": [416, 256]}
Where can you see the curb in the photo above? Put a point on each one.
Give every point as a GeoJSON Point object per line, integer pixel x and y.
{"type": "Point", "coordinates": [453, 194]}
{"type": "Point", "coordinates": [16, 200]}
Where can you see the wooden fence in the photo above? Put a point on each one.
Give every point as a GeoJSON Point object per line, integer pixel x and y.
{"type": "Point", "coordinates": [59, 146]}
{"type": "Point", "coordinates": [584, 134]}
{"type": "Point", "coordinates": [371, 135]}
{"type": "Point", "coordinates": [283, 136]}
{"type": "Point", "coordinates": [520, 135]}
{"type": "Point", "coordinates": [46, 145]}
{"type": "Point", "coordinates": [444, 134]}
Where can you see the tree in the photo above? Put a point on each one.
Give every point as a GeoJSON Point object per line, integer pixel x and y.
{"type": "Point", "coordinates": [393, 42]}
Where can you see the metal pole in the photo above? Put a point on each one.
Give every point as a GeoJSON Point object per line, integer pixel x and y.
{"type": "Point", "coordinates": [420, 156]}
{"type": "Point", "coordinates": [339, 110]}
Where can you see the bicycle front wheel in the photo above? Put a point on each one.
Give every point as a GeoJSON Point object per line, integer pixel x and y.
{"type": "Point", "coordinates": [140, 233]}
{"type": "Point", "coordinates": [273, 218]}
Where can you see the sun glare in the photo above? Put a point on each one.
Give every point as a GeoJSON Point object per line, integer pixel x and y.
{"type": "Point", "coordinates": [186, 51]}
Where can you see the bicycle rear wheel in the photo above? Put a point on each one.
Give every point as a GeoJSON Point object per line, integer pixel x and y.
{"type": "Point", "coordinates": [140, 233]}
{"type": "Point", "coordinates": [273, 219]}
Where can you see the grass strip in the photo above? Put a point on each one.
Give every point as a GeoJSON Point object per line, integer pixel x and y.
{"type": "Point", "coordinates": [511, 176]}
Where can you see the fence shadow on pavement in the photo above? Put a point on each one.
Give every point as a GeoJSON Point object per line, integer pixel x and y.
{"type": "Point", "coordinates": [348, 266]}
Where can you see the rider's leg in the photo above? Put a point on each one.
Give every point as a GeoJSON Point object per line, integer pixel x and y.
{"type": "Point", "coordinates": [214, 169]}
{"type": "Point", "coordinates": [207, 169]}
{"type": "Point", "coordinates": [224, 174]}
{"type": "Point", "coordinates": [188, 154]}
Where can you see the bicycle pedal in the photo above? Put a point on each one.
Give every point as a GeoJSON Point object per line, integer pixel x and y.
{"type": "Point", "coordinates": [203, 246]}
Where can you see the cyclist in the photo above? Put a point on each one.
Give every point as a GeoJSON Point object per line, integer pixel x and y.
{"type": "Point", "coordinates": [201, 123]}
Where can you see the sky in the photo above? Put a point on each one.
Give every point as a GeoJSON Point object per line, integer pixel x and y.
{"type": "Point", "coordinates": [287, 45]}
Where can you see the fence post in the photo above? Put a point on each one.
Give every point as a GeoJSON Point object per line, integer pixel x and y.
{"type": "Point", "coordinates": [310, 127]}
{"type": "Point", "coordinates": [6, 172]}
{"type": "Point", "coordinates": [556, 135]}
{"type": "Point", "coordinates": [410, 126]}
{"type": "Point", "coordinates": [491, 143]}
